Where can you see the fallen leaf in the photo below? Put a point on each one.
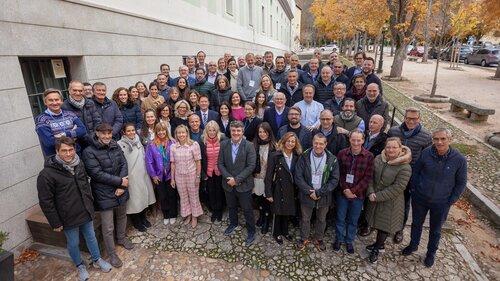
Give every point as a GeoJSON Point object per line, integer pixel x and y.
{"type": "Point", "coordinates": [26, 255]}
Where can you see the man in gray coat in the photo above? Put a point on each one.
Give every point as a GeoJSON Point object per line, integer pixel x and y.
{"type": "Point", "coordinates": [249, 78]}
{"type": "Point", "coordinates": [236, 163]}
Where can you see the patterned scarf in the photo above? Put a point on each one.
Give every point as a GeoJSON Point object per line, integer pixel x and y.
{"type": "Point", "coordinates": [78, 104]}
{"type": "Point", "coordinates": [69, 166]}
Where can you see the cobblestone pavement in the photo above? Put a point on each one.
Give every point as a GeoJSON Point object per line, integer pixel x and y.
{"type": "Point", "coordinates": [177, 252]}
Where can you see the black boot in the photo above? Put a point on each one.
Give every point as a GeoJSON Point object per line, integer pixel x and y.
{"type": "Point", "coordinates": [265, 223]}
{"type": "Point", "coordinates": [261, 218]}
{"type": "Point", "coordinates": [144, 220]}
{"type": "Point", "coordinates": [137, 223]}
{"type": "Point", "coordinates": [373, 256]}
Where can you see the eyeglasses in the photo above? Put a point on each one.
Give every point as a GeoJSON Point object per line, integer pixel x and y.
{"type": "Point", "coordinates": [325, 119]}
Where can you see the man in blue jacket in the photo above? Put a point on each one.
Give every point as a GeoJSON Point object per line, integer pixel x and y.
{"type": "Point", "coordinates": [440, 176]}
{"type": "Point", "coordinates": [108, 109]}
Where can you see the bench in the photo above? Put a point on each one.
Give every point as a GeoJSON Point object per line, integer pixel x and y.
{"type": "Point", "coordinates": [474, 111]}
{"type": "Point", "coordinates": [415, 59]}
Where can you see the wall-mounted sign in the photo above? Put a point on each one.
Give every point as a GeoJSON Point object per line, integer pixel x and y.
{"type": "Point", "coordinates": [58, 68]}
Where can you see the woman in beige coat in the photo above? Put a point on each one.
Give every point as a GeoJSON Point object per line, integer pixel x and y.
{"type": "Point", "coordinates": [385, 208]}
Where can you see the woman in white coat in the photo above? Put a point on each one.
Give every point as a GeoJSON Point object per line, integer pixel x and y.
{"type": "Point", "coordinates": [140, 187]}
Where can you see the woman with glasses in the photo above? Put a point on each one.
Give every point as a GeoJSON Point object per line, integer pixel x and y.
{"type": "Point", "coordinates": [181, 112]}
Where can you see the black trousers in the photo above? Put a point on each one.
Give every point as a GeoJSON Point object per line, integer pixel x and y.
{"type": "Point", "coordinates": [216, 197]}
{"type": "Point", "coordinates": [244, 199]}
{"type": "Point", "coordinates": [280, 225]}
{"type": "Point", "coordinates": [167, 196]}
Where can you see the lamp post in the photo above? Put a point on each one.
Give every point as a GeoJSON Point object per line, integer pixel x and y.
{"type": "Point", "coordinates": [381, 60]}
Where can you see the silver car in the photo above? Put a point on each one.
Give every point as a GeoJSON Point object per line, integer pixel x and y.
{"type": "Point", "coordinates": [484, 57]}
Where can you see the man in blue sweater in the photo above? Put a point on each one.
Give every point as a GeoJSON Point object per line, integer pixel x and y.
{"type": "Point", "coordinates": [440, 176]}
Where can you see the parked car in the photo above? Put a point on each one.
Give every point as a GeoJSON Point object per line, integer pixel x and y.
{"type": "Point", "coordinates": [329, 47]}
{"type": "Point", "coordinates": [484, 57]}
{"type": "Point", "coordinates": [464, 51]}
{"type": "Point", "coordinates": [408, 49]}
{"type": "Point", "coordinates": [417, 51]}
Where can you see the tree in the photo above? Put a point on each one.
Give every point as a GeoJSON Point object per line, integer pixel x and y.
{"type": "Point", "coordinates": [402, 22]}
{"type": "Point", "coordinates": [491, 12]}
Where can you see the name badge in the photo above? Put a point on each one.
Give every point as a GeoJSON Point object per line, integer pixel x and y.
{"type": "Point", "coordinates": [251, 83]}
{"type": "Point", "coordinates": [349, 178]}
{"type": "Point", "coordinates": [316, 179]}
{"type": "Point", "coordinates": [278, 86]}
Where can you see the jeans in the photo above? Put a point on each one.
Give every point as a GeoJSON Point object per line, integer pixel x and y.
{"type": "Point", "coordinates": [348, 212]}
{"type": "Point", "coordinates": [108, 227]}
{"type": "Point", "coordinates": [319, 223]}
{"type": "Point", "coordinates": [73, 241]}
{"type": "Point", "coordinates": [438, 214]}
{"type": "Point", "coordinates": [234, 197]}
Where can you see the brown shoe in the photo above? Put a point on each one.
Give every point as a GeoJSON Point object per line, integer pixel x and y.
{"type": "Point", "coordinates": [365, 231]}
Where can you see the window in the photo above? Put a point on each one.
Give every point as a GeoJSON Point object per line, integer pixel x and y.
{"type": "Point", "coordinates": [263, 21]}
{"type": "Point", "coordinates": [38, 74]}
{"type": "Point", "coordinates": [229, 7]}
{"type": "Point", "coordinates": [250, 13]}
{"type": "Point", "coordinates": [271, 26]}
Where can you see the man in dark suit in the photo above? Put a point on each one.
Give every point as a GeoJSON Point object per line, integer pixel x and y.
{"type": "Point", "coordinates": [236, 163]}
{"type": "Point", "coordinates": [277, 116]}
{"type": "Point", "coordinates": [206, 115]}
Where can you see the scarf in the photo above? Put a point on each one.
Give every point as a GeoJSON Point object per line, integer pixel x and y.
{"type": "Point", "coordinates": [345, 118]}
{"type": "Point", "coordinates": [358, 95]}
{"type": "Point", "coordinates": [263, 142]}
{"type": "Point", "coordinates": [69, 166]}
{"type": "Point", "coordinates": [410, 133]}
{"type": "Point", "coordinates": [78, 104]}
{"type": "Point", "coordinates": [136, 141]}
{"type": "Point", "coordinates": [165, 153]}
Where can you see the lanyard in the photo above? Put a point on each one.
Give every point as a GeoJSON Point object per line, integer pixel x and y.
{"type": "Point", "coordinates": [316, 167]}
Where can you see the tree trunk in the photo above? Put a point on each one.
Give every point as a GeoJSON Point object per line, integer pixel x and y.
{"type": "Point", "coordinates": [497, 73]}
{"type": "Point", "coordinates": [392, 48]}
{"type": "Point", "coordinates": [399, 58]}
{"type": "Point", "coordinates": [356, 42]}
{"type": "Point", "coordinates": [434, 82]}
{"type": "Point", "coordinates": [426, 31]}
{"type": "Point", "coordinates": [365, 34]}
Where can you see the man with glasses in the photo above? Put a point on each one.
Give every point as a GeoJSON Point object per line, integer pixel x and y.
{"type": "Point", "coordinates": [212, 73]}
{"type": "Point", "coordinates": [334, 103]}
{"type": "Point", "coordinates": [236, 163]}
{"type": "Point", "coordinates": [359, 58]}
{"type": "Point", "coordinates": [295, 126]}
{"type": "Point", "coordinates": [414, 136]}
{"type": "Point", "coordinates": [336, 141]}
{"type": "Point", "coordinates": [277, 116]}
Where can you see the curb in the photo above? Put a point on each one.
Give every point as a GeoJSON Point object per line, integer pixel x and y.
{"type": "Point", "coordinates": [474, 267]}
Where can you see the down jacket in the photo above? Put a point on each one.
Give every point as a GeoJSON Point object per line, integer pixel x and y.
{"type": "Point", "coordinates": [106, 165]}
{"type": "Point", "coordinates": [389, 181]}
{"type": "Point", "coordinates": [88, 114]}
{"type": "Point", "coordinates": [65, 199]}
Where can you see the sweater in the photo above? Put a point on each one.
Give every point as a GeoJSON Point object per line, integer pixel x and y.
{"type": "Point", "coordinates": [249, 81]}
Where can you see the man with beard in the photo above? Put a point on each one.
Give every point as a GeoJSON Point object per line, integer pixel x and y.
{"type": "Point", "coordinates": [278, 74]}
{"type": "Point", "coordinates": [347, 120]}
{"type": "Point", "coordinates": [294, 119]}
{"type": "Point", "coordinates": [369, 73]}
{"type": "Point", "coordinates": [338, 74]}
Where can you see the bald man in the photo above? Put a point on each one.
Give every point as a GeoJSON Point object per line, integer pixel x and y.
{"type": "Point", "coordinates": [373, 103]}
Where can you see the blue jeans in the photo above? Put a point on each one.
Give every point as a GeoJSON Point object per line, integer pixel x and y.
{"type": "Point", "coordinates": [348, 212]}
{"type": "Point", "coordinates": [438, 213]}
{"type": "Point", "coordinates": [73, 241]}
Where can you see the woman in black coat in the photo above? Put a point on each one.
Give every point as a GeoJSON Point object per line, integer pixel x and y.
{"type": "Point", "coordinates": [251, 122]}
{"type": "Point", "coordinates": [225, 118]}
{"type": "Point", "coordinates": [131, 111]}
{"type": "Point", "coordinates": [279, 184]}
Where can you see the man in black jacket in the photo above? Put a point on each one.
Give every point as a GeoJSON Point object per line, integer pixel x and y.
{"type": "Point", "coordinates": [107, 168]}
{"type": "Point", "coordinates": [66, 200]}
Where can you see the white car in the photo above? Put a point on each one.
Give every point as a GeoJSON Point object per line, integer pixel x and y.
{"type": "Point", "coordinates": [329, 47]}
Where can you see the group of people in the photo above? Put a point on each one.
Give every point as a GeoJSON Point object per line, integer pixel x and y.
{"type": "Point", "coordinates": [305, 143]}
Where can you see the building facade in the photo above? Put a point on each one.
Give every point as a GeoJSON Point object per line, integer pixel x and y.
{"type": "Point", "coordinates": [47, 43]}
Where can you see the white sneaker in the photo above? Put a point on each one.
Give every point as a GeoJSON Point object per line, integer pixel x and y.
{"type": "Point", "coordinates": [172, 221]}
{"type": "Point", "coordinates": [83, 274]}
{"type": "Point", "coordinates": [102, 264]}
{"type": "Point", "coordinates": [166, 221]}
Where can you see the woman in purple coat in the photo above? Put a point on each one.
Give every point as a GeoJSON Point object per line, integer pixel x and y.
{"type": "Point", "coordinates": [158, 167]}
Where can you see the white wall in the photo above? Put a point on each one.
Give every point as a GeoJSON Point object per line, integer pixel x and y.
{"type": "Point", "coordinates": [117, 42]}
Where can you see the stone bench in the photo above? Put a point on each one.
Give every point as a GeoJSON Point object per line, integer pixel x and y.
{"type": "Point", "coordinates": [415, 59]}
{"type": "Point", "coordinates": [474, 111]}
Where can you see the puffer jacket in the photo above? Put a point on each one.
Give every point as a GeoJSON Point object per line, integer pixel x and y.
{"type": "Point", "coordinates": [329, 181]}
{"type": "Point", "coordinates": [88, 114]}
{"type": "Point", "coordinates": [218, 97]}
{"type": "Point", "coordinates": [417, 141]}
{"type": "Point", "coordinates": [65, 199]}
{"type": "Point", "coordinates": [131, 113]}
{"type": "Point", "coordinates": [106, 165]}
{"type": "Point", "coordinates": [111, 115]}
{"type": "Point", "coordinates": [389, 182]}
{"type": "Point", "coordinates": [323, 92]}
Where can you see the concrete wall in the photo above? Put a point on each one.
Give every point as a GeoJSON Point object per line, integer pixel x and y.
{"type": "Point", "coordinates": [104, 41]}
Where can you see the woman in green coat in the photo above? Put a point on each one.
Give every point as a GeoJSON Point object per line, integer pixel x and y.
{"type": "Point", "coordinates": [385, 208]}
